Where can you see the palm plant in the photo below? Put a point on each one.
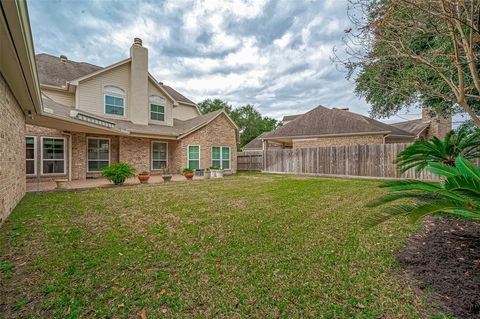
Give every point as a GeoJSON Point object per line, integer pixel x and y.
{"type": "Point", "coordinates": [465, 142]}
{"type": "Point", "coordinates": [458, 195]}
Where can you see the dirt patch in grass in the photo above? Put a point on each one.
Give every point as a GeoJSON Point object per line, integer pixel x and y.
{"type": "Point", "coordinates": [444, 262]}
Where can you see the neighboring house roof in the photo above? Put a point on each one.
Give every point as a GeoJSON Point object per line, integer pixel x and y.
{"type": "Point", "coordinates": [415, 127]}
{"type": "Point", "coordinates": [288, 118]}
{"type": "Point", "coordinates": [178, 130]}
{"type": "Point", "coordinates": [55, 72]}
{"type": "Point", "coordinates": [256, 143]}
{"type": "Point", "coordinates": [324, 121]}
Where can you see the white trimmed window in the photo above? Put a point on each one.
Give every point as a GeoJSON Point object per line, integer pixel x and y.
{"type": "Point", "coordinates": [221, 156]}
{"type": "Point", "coordinates": [53, 155]}
{"type": "Point", "coordinates": [98, 153]}
{"type": "Point", "coordinates": [157, 108]}
{"type": "Point", "coordinates": [159, 155]}
{"type": "Point", "coordinates": [193, 156]}
{"type": "Point", "coordinates": [31, 155]}
{"type": "Point", "coordinates": [114, 100]}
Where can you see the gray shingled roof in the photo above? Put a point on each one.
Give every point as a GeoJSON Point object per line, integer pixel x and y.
{"type": "Point", "coordinates": [414, 126]}
{"type": "Point", "coordinates": [324, 121]}
{"type": "Point", "coordinates": [176, 95]}
{"type": "Point", "coordinates": [52, 71]}
{"type": "Point", "coordinates": [288, 118]}
{"type": "Point", "coordinates": [256, 143]}
{"type": "Point", "coordinates": [179, 127]}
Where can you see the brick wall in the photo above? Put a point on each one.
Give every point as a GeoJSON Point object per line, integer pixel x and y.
{"type": "Point", "coordinates": [12, 151]}
{"type": "Point", "coordinates": [219, 132]}
{"type": "Point", "coordinates": [79, 155]}
{"type": "Point", "coordinates": [390, 140]}
{"type": "Point", "coordinates": [136, 152]}
{"type": "Point", "coordinates": [338, 141]}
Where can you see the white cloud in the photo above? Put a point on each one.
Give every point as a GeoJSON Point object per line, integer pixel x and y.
{"type": "Point", "coordinates": [274, 55]}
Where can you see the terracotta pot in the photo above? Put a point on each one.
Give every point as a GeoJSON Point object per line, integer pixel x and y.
{"type": "Point", "coordinates": [143, 178]}
{"type": "Point", "coordinates": [167, 178]}
{"type": "Point", "coordinates": [189, 175]}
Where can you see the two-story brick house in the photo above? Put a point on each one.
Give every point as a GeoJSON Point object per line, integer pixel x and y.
{"type": "Point", "coordinates": [96, 116]}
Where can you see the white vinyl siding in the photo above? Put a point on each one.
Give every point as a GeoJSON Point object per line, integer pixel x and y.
{"type": "Point", "coordinates": [185, 112]}
{"type": "Point", "coordinates": [159, 155]}
{"type": "Point", "coordinates": [154, 92]}
{"type": "Point", "coordinates": [90, 94]}
{"type": "Point", "coordinates": [64, 98]}
{"type": "Point", "coordinates": [98, 154]}
{"type": "Point", "coordinates": [31, 155]}
{"type": "Point", "coordinates": [193, 156]}
{"type": "Point", "coordinates": [53, 155]}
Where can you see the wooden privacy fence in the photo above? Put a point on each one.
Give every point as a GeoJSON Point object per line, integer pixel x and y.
{"type": "Point", "coordinates": [375, 160]}
{"type": "Point", "coordinates": [250, 161]}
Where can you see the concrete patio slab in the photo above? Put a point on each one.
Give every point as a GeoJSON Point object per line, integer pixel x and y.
{"type": "Point", "coordinates": [100, 182]}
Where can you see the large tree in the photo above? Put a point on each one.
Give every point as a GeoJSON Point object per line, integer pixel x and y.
{"type": "Point", "coordinates": [250, 121]}
{"type": "Point", "coordinates": [406, 53]}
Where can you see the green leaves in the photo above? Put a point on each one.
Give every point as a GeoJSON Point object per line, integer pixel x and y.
{"type": "Point", "coordinates": [419, 155]}
{"type": "Point", "coordinates": [117, 173]}
{"type": "Point", "coordinates": [458, 195]}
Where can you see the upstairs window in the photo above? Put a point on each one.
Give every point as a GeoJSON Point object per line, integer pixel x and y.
{"type": "Point", "coordinates": [157, 108]}
{"type": "Point", "coordinates": [114, 100]}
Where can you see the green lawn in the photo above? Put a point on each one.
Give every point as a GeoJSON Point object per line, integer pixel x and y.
{"type": "Point", "coordinates": [251, 245]}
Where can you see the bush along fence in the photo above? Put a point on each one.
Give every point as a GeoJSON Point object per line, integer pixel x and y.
{"type": "Point", "coordinates": [375, 160]}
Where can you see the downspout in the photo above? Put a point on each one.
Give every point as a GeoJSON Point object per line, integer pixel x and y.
{"type": "Point", "coordinates": [69, 155]}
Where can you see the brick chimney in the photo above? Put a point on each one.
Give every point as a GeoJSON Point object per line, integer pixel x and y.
{"type": "Point", "coordinates": [439, 125]}
{"type": "Point", "coordinates": [138, 108]}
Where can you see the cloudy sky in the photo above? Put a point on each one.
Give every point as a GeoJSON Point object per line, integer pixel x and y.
{"type": "Point", "coordinates": [272, 54]}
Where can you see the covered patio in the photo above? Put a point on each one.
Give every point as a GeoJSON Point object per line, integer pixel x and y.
{"type": "Point", "coordinates": [42, 186]}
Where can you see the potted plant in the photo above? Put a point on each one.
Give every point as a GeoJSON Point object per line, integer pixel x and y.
{"type": "Point", "coordinates": [144, 176]}
{"type": "Point", "coordinates": [188, 173]}
{"type": "Point", "coordinates": [207, 173]}
{"type": "Point", "coordinates": [117, 173]}
{"type": "Point", "coordinates": [167, 176]}
{"type": "Point", "coordinates": [216, 172]}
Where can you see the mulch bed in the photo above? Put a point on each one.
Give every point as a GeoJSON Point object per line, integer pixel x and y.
{"type": "Point", "coordinates": [443, 260]}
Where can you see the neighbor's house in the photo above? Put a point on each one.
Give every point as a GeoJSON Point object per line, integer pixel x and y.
{"type": "Point", "coordinates": [340, 127]}
{"type": "Point", "coordinates": [99, 116]}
